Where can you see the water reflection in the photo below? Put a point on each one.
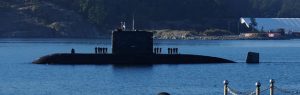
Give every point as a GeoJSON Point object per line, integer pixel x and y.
{"type": "Point", "coordinates": [132, 77]}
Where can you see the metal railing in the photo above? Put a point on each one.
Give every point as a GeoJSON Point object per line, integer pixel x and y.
{"type": "Point", "coordinates": [230, 91]}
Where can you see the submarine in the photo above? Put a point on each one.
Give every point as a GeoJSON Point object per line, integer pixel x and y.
{"type": "Point", "coordinates": [129, 47]}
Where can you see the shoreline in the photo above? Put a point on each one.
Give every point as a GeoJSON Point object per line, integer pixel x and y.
{"type": "Point", "coordinates": [230, 37]}
{"type": "Point", "coordinates": [169, 38]}
{"type": "Point", "coordinates": [194, 35]}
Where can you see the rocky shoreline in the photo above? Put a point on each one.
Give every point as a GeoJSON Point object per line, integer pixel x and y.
{"type": "Point", "coordinates": [231, 37]}
{"type": "Point", "coordinates": [192, 35]}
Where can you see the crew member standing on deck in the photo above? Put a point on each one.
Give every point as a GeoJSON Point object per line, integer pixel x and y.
{"type": "Point", "coordinates": [123, 26]}
{"type": "Point", "coordinates": [72, 51]}
{"type": "Point", "coordinates": [96, 50]}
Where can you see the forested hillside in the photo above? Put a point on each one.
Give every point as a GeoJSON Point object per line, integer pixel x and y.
{"type": "Point", "coordinates": [96, 16]}
{"type": "Point", "coordinates": [104, 12]}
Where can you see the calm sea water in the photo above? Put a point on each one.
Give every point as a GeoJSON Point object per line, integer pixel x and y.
{"type": "Point", "coordinates": [280, 61]}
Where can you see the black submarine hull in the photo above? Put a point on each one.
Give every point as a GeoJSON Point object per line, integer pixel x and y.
{"type": "Point", "coordinates": [101, 59]}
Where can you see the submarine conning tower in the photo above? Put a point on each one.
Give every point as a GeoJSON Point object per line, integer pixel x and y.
{"type": "Point", "coordinates": [132, 42]}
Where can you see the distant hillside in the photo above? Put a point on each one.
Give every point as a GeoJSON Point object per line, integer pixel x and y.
{"type": "Point", "coordinates": [267, 24]}
{"type": "Point", "coordinates": [24, 18]}
{"type": "Point", "coordinates": [94, 18]}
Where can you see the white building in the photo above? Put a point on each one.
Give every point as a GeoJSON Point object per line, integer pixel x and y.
{"type": "Point", "coordinates": [267, 24]}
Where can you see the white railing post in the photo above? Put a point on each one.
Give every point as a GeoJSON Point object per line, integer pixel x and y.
{"type": "Point", "coordinates": [272, 87]}
{"type": "Point", "coordinates": [257, 88]}
{"type": "Point", "coordinates": [226, 87]}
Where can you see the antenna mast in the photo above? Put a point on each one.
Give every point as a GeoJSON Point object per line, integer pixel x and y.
{"type": "Point", "coordinates": [133, 27]}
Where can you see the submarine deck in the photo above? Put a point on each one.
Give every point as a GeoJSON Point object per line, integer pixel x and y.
{"type": "Point", "coordinates": [99, 59]}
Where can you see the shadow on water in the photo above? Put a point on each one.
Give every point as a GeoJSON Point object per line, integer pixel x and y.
{"type": "Point", "coordinates": [132, 72]}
